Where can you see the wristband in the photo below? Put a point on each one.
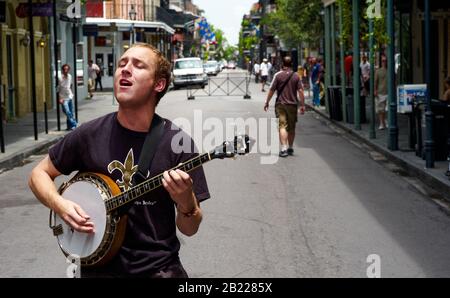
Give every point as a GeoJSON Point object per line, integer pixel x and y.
{"type": "Point", "coordinates": [191, 213]}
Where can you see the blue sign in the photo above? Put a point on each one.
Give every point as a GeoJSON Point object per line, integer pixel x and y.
{"type": "Point", "coordinates": [406, 94]}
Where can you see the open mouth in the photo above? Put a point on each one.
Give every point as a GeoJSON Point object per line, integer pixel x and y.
{"type": "Point", "coordinates": [125, 83]}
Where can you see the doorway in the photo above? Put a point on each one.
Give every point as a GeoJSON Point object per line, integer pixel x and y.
{"type": "Point", "coordinates": [10, 76]}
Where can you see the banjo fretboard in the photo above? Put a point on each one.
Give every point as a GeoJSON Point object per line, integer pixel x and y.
{"type": "Point", "coordinates": [152, 183]}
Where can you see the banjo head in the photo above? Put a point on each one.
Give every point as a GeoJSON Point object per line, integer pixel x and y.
{"type": "Point", "coordinates": [90, 197]}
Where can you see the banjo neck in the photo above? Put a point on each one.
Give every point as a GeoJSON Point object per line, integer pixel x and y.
{"type": "Point", "coordinates": [152, 183]}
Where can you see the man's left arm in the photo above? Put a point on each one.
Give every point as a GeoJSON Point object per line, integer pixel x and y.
{"type": "Point", "coordinates": [269, 97]}
{"type": "Point", "coordinates": [180, 187]}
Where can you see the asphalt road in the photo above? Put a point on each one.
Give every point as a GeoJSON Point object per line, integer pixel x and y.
{"type": "Point", "coordinates": [319, 213]}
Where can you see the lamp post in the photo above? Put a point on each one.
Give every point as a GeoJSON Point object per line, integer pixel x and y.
{"type": "Point", "coordinates": [392, 95]}
{"type": "Point", "coordinates": [356, 69]}
{"type": "Point", "coordinates": [373, 12]}
{"type": "Point", "coordinates": [132, 15]}
{"type": "Point", "coordinates": [429, 142]}
{"type": "Point", "coordinates": [42, 43]}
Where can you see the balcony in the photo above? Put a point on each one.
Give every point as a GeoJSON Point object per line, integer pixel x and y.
{"type": "Point", "coordinates": [113, 10]}
{"type": "Point", "coordinates": [163, 16]}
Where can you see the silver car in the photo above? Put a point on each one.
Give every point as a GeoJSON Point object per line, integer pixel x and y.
{"type": "Point", "coordinates": [211, 67]}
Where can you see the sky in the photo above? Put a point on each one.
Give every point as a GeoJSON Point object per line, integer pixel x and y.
{"type": "Point", "coordinates": [226, 15]}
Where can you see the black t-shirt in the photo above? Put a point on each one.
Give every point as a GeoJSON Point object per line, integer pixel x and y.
{"type": "Point", "coordinates": [104, 146]}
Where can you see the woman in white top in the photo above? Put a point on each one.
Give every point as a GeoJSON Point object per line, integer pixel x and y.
{"type": "Point", "coordinates": [66, 95]}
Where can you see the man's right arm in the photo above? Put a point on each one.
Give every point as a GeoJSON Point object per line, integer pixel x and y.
{"type": "Point", "coordinates": [43, 187]}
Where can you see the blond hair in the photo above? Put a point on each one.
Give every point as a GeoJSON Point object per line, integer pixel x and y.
{"type": "Point", "coordinates": [163, 67]}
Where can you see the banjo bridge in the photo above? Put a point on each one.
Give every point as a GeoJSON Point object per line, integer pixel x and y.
{"type": "Point", "coordinates": [57, 230]}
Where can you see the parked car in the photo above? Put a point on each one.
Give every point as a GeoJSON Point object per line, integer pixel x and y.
{"type": "Point", "coordinates": [189, 71]}
{"type": "Point", "coordinates": [231, 65]}
{"type": "Point", "coordinates": [211, 67]}
{"type": "Point", "coordinates": [223, 64]}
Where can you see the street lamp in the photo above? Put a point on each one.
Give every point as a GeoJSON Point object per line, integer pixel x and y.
{"type": "Point", "coordinates": [132, 15]}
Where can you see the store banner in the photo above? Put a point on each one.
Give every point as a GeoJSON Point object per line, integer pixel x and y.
{"type": "Point", "coordinates": [37, 10]}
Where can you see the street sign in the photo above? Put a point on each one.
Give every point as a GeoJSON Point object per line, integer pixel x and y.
{"type": "Point", "coordinates": [65, 18]}
{"type": "Point", "coordinates": [90, 30]}
{"type": "Point", "coordinates": [37, 10]}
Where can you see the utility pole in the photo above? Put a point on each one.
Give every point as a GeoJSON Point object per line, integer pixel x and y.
{"type": "Point", "coordinates": [33, 68]}
{"type": "Point", "coordinates": [392, 96]}
{"type": "Point", "coordinates": [356, 70]}
{"type": "Point", "coordinates": [55, 49]}
{"type": "Point", "coordinates": [429, 143]}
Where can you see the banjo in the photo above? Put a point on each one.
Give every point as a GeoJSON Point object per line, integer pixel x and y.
{"type": "Point", "coordinates": [101, 198]}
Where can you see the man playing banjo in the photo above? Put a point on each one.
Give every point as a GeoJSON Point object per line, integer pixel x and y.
{"type": "Point", "coordinates": [111, 146]}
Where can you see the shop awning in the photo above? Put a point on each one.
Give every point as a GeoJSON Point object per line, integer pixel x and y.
{"type": "Point", "coordinates": [126, 24]}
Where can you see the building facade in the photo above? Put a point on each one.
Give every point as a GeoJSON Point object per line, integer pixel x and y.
{"type": "Point", "coordinates": [112, 26]}
{"type": "Point", "coordinates": [15, 61]}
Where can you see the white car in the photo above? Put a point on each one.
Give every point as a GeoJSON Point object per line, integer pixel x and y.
{"type": "Point", "coordinates": [189, 71]}
{"type": "Point", "coordinates": [231, 65]}
{"type": "Point", "coordinates": [211, 67]}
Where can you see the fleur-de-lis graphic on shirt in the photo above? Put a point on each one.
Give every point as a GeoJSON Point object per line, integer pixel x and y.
{"type": "Point", "coordinates": [128, 169]}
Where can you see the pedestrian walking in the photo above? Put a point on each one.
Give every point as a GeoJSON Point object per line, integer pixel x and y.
{"type": "Point", "coordinates": [365, 76]}
{"type": "Point", "coordinates": [98, 79]}
{"type": "Point", "coordinates": [381, 92]}
{"type": "Point", "coordinates": [66, 95]}
{"type": "Point", "coordinates": [264, 73]}
{"type": "Point", "coordinates": [93, 69]}
{"type": "Point", "coordinates": [256, 71]}
{"type": "Point", "coordinates": [316, 77]}
{"type": "Point", "coordinates": [287, 84]}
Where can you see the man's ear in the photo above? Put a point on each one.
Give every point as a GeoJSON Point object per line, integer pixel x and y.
{"type": "Point", "coordinates": [160, 85]}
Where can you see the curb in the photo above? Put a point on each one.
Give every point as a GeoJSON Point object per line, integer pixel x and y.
{"type": "Point", "coordinates": [414, 171]}
{"type": "Point", "coordinates": [18, 158]}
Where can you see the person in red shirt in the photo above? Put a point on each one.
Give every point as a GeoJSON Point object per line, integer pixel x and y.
{"type": "Point", "coordinates": [348, 67]}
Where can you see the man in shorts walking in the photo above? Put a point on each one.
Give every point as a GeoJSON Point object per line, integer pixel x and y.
{"type": "Point", "coordinates": [381, 92]}
{"type": "Point", "coordinates": [287, 83]}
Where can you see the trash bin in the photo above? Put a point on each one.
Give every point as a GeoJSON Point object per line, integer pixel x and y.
{"type": "Point", "coordinates": [441, 129]}
{"type": "Point", "coordinates": [351, 109]}
{"type": "Point", "coordinates": [335, 102]}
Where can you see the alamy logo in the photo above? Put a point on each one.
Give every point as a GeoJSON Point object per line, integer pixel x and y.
{"type": "Point", "coordinates": [211, 132]}
{"type": "Point", "coordinates": [73, 11]}
{"type": "Point", "coordinates": [373, 9]}
{"type": "Point", "coordinates": [374, 269]}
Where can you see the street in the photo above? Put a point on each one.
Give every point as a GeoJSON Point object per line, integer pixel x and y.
{"type": "Point", "coordinates": [319, 213]}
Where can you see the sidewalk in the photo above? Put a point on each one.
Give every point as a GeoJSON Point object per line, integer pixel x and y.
{"type": "Point", "coordinates": [405, 157]}
{"type": "Point", "coordinates": [19, 135]}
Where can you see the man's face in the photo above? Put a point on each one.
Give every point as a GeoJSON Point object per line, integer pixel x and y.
{"type": "Point", "coordinates": [134, 79]}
